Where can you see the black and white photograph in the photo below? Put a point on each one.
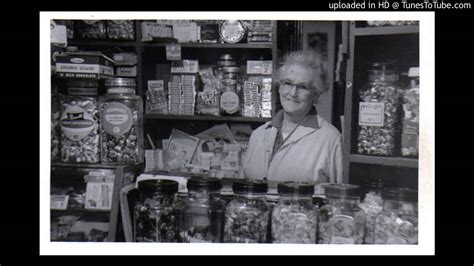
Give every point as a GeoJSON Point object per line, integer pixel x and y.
{"type": "Point", "coordinates": [237, 133]}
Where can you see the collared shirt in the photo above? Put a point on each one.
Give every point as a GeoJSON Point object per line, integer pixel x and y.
{"type": "Point", "coordinates": [313, 152]}
{"type": "Point", "coordinates": [309, 121]}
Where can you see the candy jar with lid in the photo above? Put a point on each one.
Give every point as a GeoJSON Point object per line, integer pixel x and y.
{"type": "Point", "coordinates": [79, 122]}
{"type": "Point", "coordinates": [248, 214]}
{"type": "Point", "coordinates": [379, 112]}
{"type": "Point", "coordinates": [121, 113]}
{"type": "Point", "coordinates": [294, 218]}
{"type": "Point", "coordinates": [341, 221]}
{"type": "Point", "coordinates": [202, 213]}
{"type": "Point", "coordinates": [397, 223]}
{"type": "Point", "coordinates": [156, 214]}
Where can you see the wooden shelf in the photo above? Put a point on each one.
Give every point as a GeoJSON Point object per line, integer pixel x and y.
{"type": "Point", "coordinates": [367, 31]}
{"type": "Point", "coordinates": [215, 45]}
{"type": "Point", "coordinates": [387, 161]}
{"type": "Point", "coordinates": [95, 166]}
{"type": "Point", "coordinates": [104, 43]}
{"type": "Point", "coordinates": [206, 118]}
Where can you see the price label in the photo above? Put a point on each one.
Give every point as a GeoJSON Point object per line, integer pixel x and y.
{"type": "Point", "coordinates": [371, 114]}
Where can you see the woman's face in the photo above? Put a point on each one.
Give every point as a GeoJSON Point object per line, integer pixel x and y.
{"type": "Point", "coordinates": [296, 92]}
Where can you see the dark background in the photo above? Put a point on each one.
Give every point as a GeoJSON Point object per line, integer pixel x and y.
{"type": "Point", "coordinates": [19, 148]}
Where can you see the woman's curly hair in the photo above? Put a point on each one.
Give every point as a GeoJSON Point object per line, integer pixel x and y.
{"type": "Point", "coordinates": [311, 60]}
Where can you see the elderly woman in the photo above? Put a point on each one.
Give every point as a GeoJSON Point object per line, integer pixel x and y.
{"type": "Point", "coordinates": [297, 144]}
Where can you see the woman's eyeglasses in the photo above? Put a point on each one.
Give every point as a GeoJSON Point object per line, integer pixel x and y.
{"type": "Point", "coordinates": [286, 84]}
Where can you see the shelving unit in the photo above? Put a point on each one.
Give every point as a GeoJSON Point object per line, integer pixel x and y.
{"type": "Point", "coordinates": [374, 44]}
{"type": "Point", "coordinates": [71, 175]}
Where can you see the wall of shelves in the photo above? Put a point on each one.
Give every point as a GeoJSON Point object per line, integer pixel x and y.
{"type": "Point", "coordinates": [375, 44]}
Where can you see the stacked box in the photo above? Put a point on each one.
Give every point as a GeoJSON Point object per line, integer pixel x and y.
{"type": "Point", "coordinates": [260, 31]}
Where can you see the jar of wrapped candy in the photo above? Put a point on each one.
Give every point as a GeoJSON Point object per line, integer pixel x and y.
{"type": "Point", "coordinates": [121, 30]}
{"type": "Point", "coordinates": [202, 214]}
{"type": "Point", "coordinates": [379, 112]}
{"type": "Point", "coordinates": [92, 29]}
{"type": "Point", "coordinates": [247, 216]}
{"type": "Point", "coordinates": [398, 221]}
{"type": "Point", "coordinates": [121, 113]}
{"type": "Point", "coordinates": [79, 122]}
{"type": "Point", "coordinates": [341, 221]}
{"type": "Point", "coordinates": [411, 114]}
{"type": "Point", "coordinates": [294, 218]}
{"type": "Point", "coordinates": [371, 204]}
{"type": "Point", "coordinates": [157, 212]}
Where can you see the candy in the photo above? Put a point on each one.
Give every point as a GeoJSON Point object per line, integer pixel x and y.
{"type": "Point", "coordinates": [246, 223]}
{"type": "Point", "coordinates": [381, 140]}
{"type": "Point", "coordinates": [157, 220]}
{"type": "Point", "coordinates": [294, 224]}
{"type": "Point", "coordinates": [392, 228]}
{"type": "Point", "coordinates": [82, 147]}
{"type": "Point", "coordinates": [121, 29]}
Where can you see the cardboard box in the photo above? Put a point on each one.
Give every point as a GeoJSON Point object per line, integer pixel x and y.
{"type": "Point", "coordinates": [126, 71]}
{"type": "Point", "coordinates": [84, 65]}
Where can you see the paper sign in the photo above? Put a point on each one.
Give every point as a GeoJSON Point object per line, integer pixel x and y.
{"type": "Point", "coordinates": [371, 114]}
{"type": "Point", "coordinates": [173, 52]}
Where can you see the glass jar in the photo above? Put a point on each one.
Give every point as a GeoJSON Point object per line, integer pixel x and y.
{"type": "Point", "coordinates": [411, 117]}
{"type": "Point", "coordinates": [341, 221]}
{"type": "Point", "coordinates": [379, 112]}
{"type": "Point", "coordinates": [202, 214]}
{"type": "Point", "coordinates": [371, 204]}
{"type": "Point", "coordinates": [294, 218]}
{"type": "Point", "coordinates": [398, 221]}
{"type": "Point", "coordinates": [79, 122]}
{"type": "Point", "coordinates": [247, 216]}
{"type": "Point", "coordinates": [157, 212]}
{"type": "Point", "coordinates": [121, 30]}
{"type": "Point", "coordinates": [92, 29]}
{"type": "Point", "coordinates": [122, 122]}
{"type": "Point", "coordinates": [229, 100]}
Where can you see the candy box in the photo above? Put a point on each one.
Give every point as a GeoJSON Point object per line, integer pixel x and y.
{"type": "Point", "coordinates": [84, 65]}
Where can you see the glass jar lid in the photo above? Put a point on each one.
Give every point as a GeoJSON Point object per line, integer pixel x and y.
{"type": "Point", "coordinates": [247, 186]}
{"type": "Point", "coordinates": [400, 194]}
{"type": "Point", "coordinates": [197, 183]}
{"type": "Point", "coordinates": [296, 188]}
{"type": "Point", "coordinates": [342, 191]}
{"type": "Point", "coordinates": [158, 186]}
{"type": "Point", "coordinates": [120, 82]}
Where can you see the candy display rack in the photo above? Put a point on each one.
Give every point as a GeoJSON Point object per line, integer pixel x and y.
{"type": "Point", "coordinates": [365, 45]}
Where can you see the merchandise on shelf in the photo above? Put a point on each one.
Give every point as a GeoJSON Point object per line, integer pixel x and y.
{"type": "Point", "coordinates": [247, 216]}
{"type": "Point", "coordinates": [341, 219]}
{"type": "Point", "coordinates": [157, 212]}
{"type": "Point", "coordinates": [411, 111]}
{"type": "Point", "coordinates": [92, 29]}
{"type": "Point", "coordinates": [88, 65]}
{"type": "Point", "coordinates": [202, 213]}
{"type": "Point", "coordinates": [398, 221]}
{"type": "Point", "coordinates": [156, 97]}
{"type": "Point", "coordinates": [154, 30]}
{"type": "Point", "coordinates": [182, 94]}
{"type": "Point", "coordinates": [232, 31]}
{"type": "Point", "coordinates": [379, 113]}
{"type": "Point", "coordinates": [79, 122]}
{"type": "Point", "coordinates": [260, 31]}
{"type": "Point", "coordinates": [121, 114]}
{"type": "Point", "coordinates": [121, 30]}
{"type": "Point", "coordinates": [209, 33]}
{"type": "Point", "coordinates": [294, 218]}
{"type": "Point", "coordinates": [125, 59]}
{"type": "Point", "coordinates": [380, 23]}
